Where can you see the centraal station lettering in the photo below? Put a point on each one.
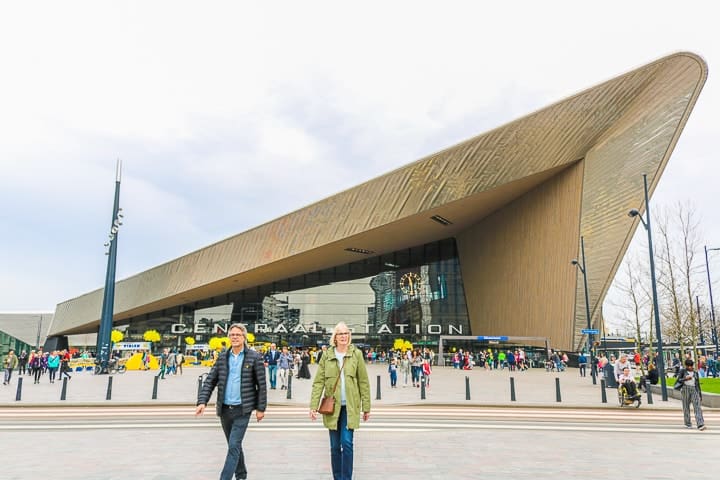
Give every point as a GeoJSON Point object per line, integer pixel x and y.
{"type": "Point", "coordinates": [399, 329]}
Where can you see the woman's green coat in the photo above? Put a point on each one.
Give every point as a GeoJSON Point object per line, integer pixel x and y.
{"type": "Point", "coordinates": [357, 386]}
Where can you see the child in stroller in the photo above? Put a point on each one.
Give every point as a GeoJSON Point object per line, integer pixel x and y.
{"type": "Point", "coordinates": [627, 388]}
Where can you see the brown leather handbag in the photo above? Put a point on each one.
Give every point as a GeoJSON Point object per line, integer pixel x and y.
{"type": "Point", "coordinates": [327, 404]}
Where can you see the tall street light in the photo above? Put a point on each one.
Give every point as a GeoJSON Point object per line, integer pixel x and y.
{"type": "Point", "coordinates": [702, 337]}
{"type": "Point", "coordinates": [712, 306]}
{"type": "Point", "coordinates": [646, 223]}
{"type": "Point", "coordinates": [583, 269]}
{"type": "Point", "coordinates": [104, 333]}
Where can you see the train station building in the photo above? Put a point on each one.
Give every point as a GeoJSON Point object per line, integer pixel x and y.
{"type": "Point", "coordinates": [476, 239]}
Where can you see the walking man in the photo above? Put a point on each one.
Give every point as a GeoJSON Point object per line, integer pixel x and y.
{"type": "Point", "coordinates": [11, 363]}
{"type": "Point", "coordinates": [284, 364]}
{"type": "Point", "coordinates": [239, 375]}
{"type": "Point", "coordinates": [582, 363]}
{"type": "Point", "coordinates": [271, 358]}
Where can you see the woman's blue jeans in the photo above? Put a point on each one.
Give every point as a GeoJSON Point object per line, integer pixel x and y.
{"type": "Point", "coordinates": [341, 448]}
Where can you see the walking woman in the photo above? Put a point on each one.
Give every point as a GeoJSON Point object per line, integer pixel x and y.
{"type": "Point", "coordinates": [691, 394]}
{"type": "Point", "coordinates": [53, 363]}
{"type": "Point", "coordinates": [342, 374]}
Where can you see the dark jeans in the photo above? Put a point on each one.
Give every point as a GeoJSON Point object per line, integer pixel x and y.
{"type": "Point", "coordinates": [341, 448]}
{"type": "Point", "coordinates": [583, 366]}
{"type": "Point", "coordinates": [272, 373]}
{"type": "Point", "coordinates": [234, 424]}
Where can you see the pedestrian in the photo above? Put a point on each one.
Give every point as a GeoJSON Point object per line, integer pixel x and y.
{"type": "Point", "coordinates": [53, 364]}
{"type": "Point", "coordinates": [163, 364]}
{"type": "Point", "coordinates": [691, 393]}
{"type": "Point", "coordinates": [392, 369]}
{"type": "Point", "coordinates": [405, 367]}
{"type": "Point", "coordinates": [304, 371]}
{"type": "Point", "coordinates": [179, 359]}
{"type": "Point", "coordinates": [426, 371]}
{"type": "Point", "coordinates": [10, 363]}
{"type": "Point", "coordinates": [65, 365]}
{"type": "Point", "coordinates": [22, 363]}
{"type": "Point", "coordinates": [171, 362]}
{"type": "Point", "coordinates": [35, 366]}
{"type": "Point", "coordinates": [239, 375]}
{"type": "Point", "coordinates": [271, 362]}
{"type": "Point", "coordinates": [284, 367]}
{"type": "Point", "coordinates": [582, 363]}
{"type": "Point", "coordinates": [342, 374]}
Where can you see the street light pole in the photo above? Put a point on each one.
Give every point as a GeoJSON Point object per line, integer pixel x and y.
{"type": "Point", "coordinates": [656, 308]}
{"type": "Point", "coordinates": [104, 332]}
{"type": "Point", "coordinates": [712, 306]}
{"type": "Point", "coordinates": [583, 269]}
{"type": "Point", "coordinates": [700, 329]}
{"type": "Point", "coordinates": [37, 340]}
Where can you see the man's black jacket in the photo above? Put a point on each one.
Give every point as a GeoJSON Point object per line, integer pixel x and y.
{"type": "Point", "coordinates": [253, 389]}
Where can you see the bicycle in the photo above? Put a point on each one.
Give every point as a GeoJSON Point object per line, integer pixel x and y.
{"type": "Point", "coordinates": [114, 366]}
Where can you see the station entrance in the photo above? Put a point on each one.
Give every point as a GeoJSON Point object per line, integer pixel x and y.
{"type": "Point", "coordinates": [537, 349]}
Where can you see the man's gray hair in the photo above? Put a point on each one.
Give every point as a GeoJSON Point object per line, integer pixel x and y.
{"type": "Point", "coordinates": [242, 328]}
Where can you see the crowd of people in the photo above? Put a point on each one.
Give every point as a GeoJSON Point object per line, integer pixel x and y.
{"type": "Point", "coordinates": [36, 364]}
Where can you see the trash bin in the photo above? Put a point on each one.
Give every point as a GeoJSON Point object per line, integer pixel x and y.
{"type": "Point", "coordinates": [610, 381]}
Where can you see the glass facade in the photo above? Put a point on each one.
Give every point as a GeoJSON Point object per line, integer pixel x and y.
{"type": "Point", "coordinates": [415, 294]}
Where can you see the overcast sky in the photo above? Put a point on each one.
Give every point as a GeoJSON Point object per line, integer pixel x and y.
{"type": "Point", "coordinates": [227, 116]}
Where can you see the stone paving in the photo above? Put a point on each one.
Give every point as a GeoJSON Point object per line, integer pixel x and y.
{"type": "Point", "coordinates": [197, 453]}
{"type": "Point", "coordinates": [447, 386]}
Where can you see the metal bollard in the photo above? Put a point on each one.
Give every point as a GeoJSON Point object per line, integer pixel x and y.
{"type": "Point", "coordinates": [422, 388]}
{"type": "Point", "coordinates": [108, 395]}
{"type": "Point", "coordinates": [467, 388]}
{"type": "Point", "coordinates": [512, 389]}
{"type": "Point", "coordinates": [18, 394]}
{"type": "Point", "coordinates": [289, 387]}
{"type": "Point", "coordinates": [649, 392]}
{"type": "Point", "coordinates": [378, 395]}
{"type": "Point", "coordinates": [200, 383]}
{"type": "Point", "coordinates": [558, 398]}
{"type": "Point", "coordinates": [155, 384]}
{"type": "Point", "coordinates": [602, 389]}
{"type": "Point", "coordinates": [63, 393]}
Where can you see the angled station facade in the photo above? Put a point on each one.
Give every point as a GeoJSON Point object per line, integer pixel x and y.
{"type": "Point", "coordinates": [476, 239]}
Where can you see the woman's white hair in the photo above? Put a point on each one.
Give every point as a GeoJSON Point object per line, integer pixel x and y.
{"type": "Point", "coordinates": [335, 330]}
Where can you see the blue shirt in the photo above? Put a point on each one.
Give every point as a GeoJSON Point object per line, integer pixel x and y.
{"type": "Point", "coordinates": [232, 389]}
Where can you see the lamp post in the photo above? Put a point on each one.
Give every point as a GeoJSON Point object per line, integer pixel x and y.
{"type": "Point", "coordinates": [646, 223]}
{"type": "Point", "coordinates": [712, 306]}
{"type": "Point", "coordinates": [104, 333]}
{"type": "Point", "coordinates": [700, 329]}
{"type": "Point", "coordinates": [583, 269]}
{"type": "Point", "coordinates": [37, 340]}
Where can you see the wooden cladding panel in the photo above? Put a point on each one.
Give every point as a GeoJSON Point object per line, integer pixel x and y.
{"type": "Point", "coordinates": [516, 263]}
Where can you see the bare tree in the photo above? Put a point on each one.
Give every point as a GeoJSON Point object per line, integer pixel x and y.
{"type": "Point", "coordinates": [635, 303]}
{"type": "Point", "coordinates": [679, 275]}
{"type": "Point", "coordinates": [669, 280]}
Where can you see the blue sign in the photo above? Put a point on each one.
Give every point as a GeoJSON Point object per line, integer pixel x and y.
{"type": "Point", "coordinates": [501, 339]}
{"type": "Point", "coordinates": [590, 331]}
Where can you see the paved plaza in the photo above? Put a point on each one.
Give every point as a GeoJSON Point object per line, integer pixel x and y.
{"type": "Point", "coordinates": [401, 441]}
{"type": "Point", "coordinates": [447, 387]}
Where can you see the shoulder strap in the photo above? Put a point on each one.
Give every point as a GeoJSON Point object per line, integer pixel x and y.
{"type": "Point", "coordinates": [338, 378]}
